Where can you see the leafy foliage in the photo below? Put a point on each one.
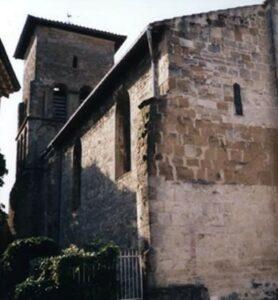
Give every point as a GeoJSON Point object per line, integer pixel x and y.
{"type": "Point", "coordinates": [17, 257]}
{"type": "Point", "coordinates": [3, 170]}
{"type": "Point", "coordinates": [5, 233]}
{"type": "Point", "coordinates": [53, 278]}
{"type": "Point", "coordinates": [3, 216]}
{"type": "Point", "coordinates": [34, 269]}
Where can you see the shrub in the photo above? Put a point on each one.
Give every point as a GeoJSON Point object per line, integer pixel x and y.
{"type": "Point", "coordinates": [18, 255]}
{"type": "Point", "coordinates": [5, 233]}
{"type": "Point", "coordinates": [3, 170]}
{"type": "Point", "coordinates": [53, 278]}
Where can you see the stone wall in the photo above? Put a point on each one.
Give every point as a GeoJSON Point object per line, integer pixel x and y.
{"type": "Point", "coordinates": [48, 62]}
{"type": "Point", "coordinates": [272, 6]}
{"type": "Point", "coordinates": [29, 70]}
{"type": "Point", "coordinates": [56, 49]}
{"type": "Point", "coordinates": [213, 206]}
{"type": "Point", "coordinates": [110, 207]}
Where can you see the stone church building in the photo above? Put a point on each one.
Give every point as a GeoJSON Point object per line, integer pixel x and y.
{"type": "Point", "coordinates": [172, 150]}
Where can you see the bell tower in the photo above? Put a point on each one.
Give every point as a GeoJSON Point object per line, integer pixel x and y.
{"type": "Point", "coordinates": [62, 65]}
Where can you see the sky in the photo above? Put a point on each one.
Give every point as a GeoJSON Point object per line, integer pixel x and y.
{"type": "Point", "coordinates": [128, 17]}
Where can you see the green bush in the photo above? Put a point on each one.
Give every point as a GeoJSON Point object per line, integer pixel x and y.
{"type": "Point", "coordinates": [16, 261]}
{"type": "Point", "coordinates": [5, 233]}
{"type": "Point", "coordinates": [3, 170]}
{"type": "Point", "coordinates": [2, 281]}
{"type": "Point", "coordinates": [53, 277]}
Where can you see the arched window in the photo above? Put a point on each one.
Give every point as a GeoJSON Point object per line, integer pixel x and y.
{"type": "Point", "coordinates": [60, 102]}
{"type": "Point", "coordinates": [123, 138]}
{"type": "Point", "coordinates": [76, 178]}
{"type": "Point", "coordinates": [84, 93]}
{"type": "Point", "coordinates": [237, 100]}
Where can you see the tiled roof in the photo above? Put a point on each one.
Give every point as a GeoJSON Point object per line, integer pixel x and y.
{"type": "Point", "coordinates": [32, 22]}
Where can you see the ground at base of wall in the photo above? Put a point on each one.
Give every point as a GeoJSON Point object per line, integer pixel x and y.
{"type": "Point", "coordinates": [257, 291]}
{"type": "Point", "coordinates": [184, 292]}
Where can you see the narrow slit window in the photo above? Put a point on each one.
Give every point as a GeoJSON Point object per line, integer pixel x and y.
{"type": "Point", "coordinates": [237, 100]}
{"type": "Point", "coordinates": [75, 62]}
{"type": "Point", "coordinates": [76, 180]}
{"type": "Point", "coordinates": [123, 138]}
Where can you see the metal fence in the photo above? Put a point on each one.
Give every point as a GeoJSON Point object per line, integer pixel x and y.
{"type": "Point", "coordinates": [129, 275]}
{"type": "Point", "coordinates": [129, 272]}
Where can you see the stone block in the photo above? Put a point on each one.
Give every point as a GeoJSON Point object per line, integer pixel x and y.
{"type": "Point", "coordinates": [184, 173]}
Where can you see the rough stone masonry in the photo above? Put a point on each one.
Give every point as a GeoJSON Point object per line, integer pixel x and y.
{"type": "Point", "coordinates": [186, 170]}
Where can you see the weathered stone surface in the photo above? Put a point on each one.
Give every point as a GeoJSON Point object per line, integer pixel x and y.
{"type": "Point", "coordinates": [48, 62]}
{"type": "Point", "coordinates": [201, 197]}
{"type": "Point", "coordinates": [213, 200]}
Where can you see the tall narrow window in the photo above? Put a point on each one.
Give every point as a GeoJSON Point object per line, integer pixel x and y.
{"type": "Point", "coordinates": [75, 62]}
{"type": "Point", "coordinates": [60, 102]}
{"type": "Point", "coordinates": [237, 100]}
{"type": "Point", "coordinates": [84, 93]}
{"type": "Point", "coordinates": [123, 143]}
{"type": "Point", "coordinates": [76, 180]}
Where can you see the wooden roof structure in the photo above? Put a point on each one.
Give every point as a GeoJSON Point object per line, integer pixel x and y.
{"type": "Point", "coordinates": [8, 81]}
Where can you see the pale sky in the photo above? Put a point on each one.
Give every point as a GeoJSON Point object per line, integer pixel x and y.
{"type": "Point", "coordinates": [127, 17]}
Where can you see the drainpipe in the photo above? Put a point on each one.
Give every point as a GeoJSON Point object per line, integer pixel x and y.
{"type": "Point", "coordinates": [147, 109]}
{"type": "Point", "coordinates": [153, 61]}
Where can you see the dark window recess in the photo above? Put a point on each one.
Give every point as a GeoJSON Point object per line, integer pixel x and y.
{"type": "Point", "coordinates": [21, 113]}
{"type": "Point", "coordinates": [123, 139]}
{"type": "Point", "coordinates": [75, 62]}
{"type": "Point", "coordinates": [21, 150]}
{"type": "Point", "coordinates": [237, 100]}
{"type": "Point", "coordinates": [60, 102]}
{"type": "Point", "coordinates": [76, 180]}
{"type": "Point", "coordinates": [84, 93]}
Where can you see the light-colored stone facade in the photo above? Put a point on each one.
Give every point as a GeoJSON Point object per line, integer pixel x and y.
{"type": "Point", "coordinates": [214, 185]}
{"type": "Point", "coordinates": [200, 199]}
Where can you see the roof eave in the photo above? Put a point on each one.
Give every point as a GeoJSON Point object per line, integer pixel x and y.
{"type": "Point", "coordinates": [32, 22]}
{"type": "Point", "coordinates": [5, 59]}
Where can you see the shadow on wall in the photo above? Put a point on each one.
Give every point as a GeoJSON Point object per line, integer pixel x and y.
{"type": "Point", "coordinates": [107, 210]}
